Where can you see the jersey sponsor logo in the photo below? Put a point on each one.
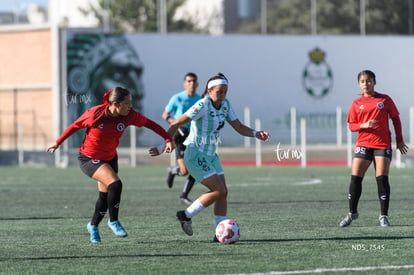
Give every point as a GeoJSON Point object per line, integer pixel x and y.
{"type": "Point", "coordinates": [120, 127]}
{"type": "Point", "coordinates": [95, 161]}
{"type": "Point", "coordinates": [380, 105]}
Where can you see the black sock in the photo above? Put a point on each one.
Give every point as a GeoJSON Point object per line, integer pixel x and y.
{"type": "Point", "coordinates": [114, 199]}
{"type": "Point", "coordinates": [355, 190]}
{"type": "Point", "coordinates": [176, 171]}
{"type": "Point", "coordinates": [100, 208]}
{"type": "Point", "coordinates": [384, 191]}
{"type": "Point", "coordinates": [189, 183]}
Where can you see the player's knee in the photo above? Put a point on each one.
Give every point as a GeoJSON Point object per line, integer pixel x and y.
{"type": "Point", "coordinates": [116, 186]}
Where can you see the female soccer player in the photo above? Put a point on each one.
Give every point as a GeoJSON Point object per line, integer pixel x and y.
{"type": "Point", "coordinates": [369, 116]}
{"type": "Point", "coordinates": [98, 157]}
{"type": "Point", "coordinates": [208, 117]}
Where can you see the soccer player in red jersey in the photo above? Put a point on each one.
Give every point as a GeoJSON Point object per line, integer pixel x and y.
{"type": "Point", "coordinates": [98, 157]}
{"type": "Point", "coordinates": [369, 116]}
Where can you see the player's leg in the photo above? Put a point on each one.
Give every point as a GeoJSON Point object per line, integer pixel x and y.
{"type": "Point", "coordinates": [180, 169]}
{"type": "Point", "coordinates": [201, 168]}
{"type": "Point", "coordinates": [189, 183]}
{"type": "Point", "coordinates": [108, 181]}
{"type": "Point", "coordinates": [382, 165]}
{"type": "Point", "coordinates": [360, 163]}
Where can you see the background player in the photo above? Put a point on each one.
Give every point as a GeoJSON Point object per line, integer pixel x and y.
{"type": "Point", "coordinates": [369, 116]}
{"type": "Point", "coordinates": [178, 105]}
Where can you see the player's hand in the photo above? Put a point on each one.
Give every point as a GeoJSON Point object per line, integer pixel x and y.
{"type": "Point", "coordinates": [402, 147]}
{"type": "Point", "coordinates": [52, 148]}
{"type": "Point", "coordinates": [158, 150]}
{"type": "Point", "coordinates": [262, 135]}
{"type": "Point", "coordinates": [169, 147]}
{"type": "Point", "coordinates": [369, 124]}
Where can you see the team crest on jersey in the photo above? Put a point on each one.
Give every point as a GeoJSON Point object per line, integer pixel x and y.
{"type": "Point", "coordinates": [95, 161]}
{"type": "Point", "coordinates": [361, 107]}
{"type": "Point", "coordinates": [380, 105]}
{"type": "Point", "coordinates": [120, 127]}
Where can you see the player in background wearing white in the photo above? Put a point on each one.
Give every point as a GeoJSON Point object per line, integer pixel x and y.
{"type": "Point", "coordinates": [208, 117]}
{"type": "Point", "coordinates": [178, 104]}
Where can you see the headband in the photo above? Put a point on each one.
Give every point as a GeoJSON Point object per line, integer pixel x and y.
{"type": "Point", "coordinates": [216, 82]}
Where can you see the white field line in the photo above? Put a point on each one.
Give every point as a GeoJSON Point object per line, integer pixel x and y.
{"type": "Point", "coordinates": [325, 270]}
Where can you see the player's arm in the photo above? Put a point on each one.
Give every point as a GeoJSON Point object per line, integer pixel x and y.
{"type": "Point", "coordinates": [399, 137]}
{"type": "Point", "coordinates": [168, 147]}
{"type": "Point", "coordinates": [70, 130]}
{"type": "Point", "coordinates": [177, 123]}
{"type": "Point", "coordinates": [167, 116]}
{"type": "Point", "coordinates": [247, 131]}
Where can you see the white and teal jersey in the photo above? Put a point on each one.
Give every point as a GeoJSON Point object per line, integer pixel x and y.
{"type": "Point", "coordinates": [206, 124]}
{"type": "Point", "coordinates": [180, 103]}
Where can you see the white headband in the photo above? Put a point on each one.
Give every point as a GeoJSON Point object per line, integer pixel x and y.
{"type": "Point", "coordinates": [216, 82]}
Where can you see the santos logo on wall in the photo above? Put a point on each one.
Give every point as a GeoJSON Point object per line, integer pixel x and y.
{"type": "Point", "coordinates": [317, 75]}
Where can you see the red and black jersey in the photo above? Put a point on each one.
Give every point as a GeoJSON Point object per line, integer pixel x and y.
{"type": "Point", "coordinates": [104, 131]}
{"type": "Point", "coordinates": [378, 107]}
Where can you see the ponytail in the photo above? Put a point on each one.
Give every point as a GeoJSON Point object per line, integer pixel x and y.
{"type": "Point", "coordinates": [106, 97]}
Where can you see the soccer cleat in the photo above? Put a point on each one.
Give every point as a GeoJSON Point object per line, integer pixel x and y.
{"type": "Point", "coordinates": [185, 200]}
{"type": "Point", "coordinates": [94, 231]}
{"type": "Point", "coordinates": [348, 219]}
{"type": "Point", "coordinates": [185, 223]}
{"type": "Point", "coordinates": [170, 178]}
{"type": "Point", "coordinates": [384, 221]}
{"type": "Point", "coordinates": [117, 228]}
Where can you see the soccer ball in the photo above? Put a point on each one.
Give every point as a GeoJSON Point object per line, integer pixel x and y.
{"type": "Point", "coordinates": [228, 231]}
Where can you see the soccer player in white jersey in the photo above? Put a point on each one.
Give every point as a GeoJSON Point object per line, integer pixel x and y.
{"type": "Point", "coordinates": [208, 117]}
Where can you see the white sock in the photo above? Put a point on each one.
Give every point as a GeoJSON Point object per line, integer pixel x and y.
{"type": "Point", "coordinates": [195, 208]}
{"type": "Point", "coordinates": [218, 219]}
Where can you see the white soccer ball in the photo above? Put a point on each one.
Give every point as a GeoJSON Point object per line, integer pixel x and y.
{"type": "Point", "coordinates": [228, 231]}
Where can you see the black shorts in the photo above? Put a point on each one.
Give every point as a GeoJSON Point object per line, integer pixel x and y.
{"type": "Point", "coordinates": [369, 153]}
{"type": "Point", "coordinates": [89, 165]}
{"type": "Point", "coordinates": [179, 140]}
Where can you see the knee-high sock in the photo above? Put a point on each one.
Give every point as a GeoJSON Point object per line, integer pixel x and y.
{"type": "Point", "coordinates": [355, 190]}
{"type": "Point", "coordinates": [189, 183]}
{"type": "Point", "coordinates": [384, 191]}
{"type": "Point", "coordinates": [114, 199]}
{"type": "Point", "coordinates": [101, 206]}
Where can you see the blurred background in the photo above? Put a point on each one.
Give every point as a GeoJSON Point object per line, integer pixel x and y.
{"type": "Point", "coordinates": [292, 67]}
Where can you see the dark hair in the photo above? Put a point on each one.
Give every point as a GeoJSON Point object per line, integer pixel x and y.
{"type": "Point", "coordinates": [217, 76]}
{"type": "Point", "coordinates": [117, 94]}
{"type": "Point", "coordinates": [191, 74]}
{"type": "Point", "coordinates": [369, 73]}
